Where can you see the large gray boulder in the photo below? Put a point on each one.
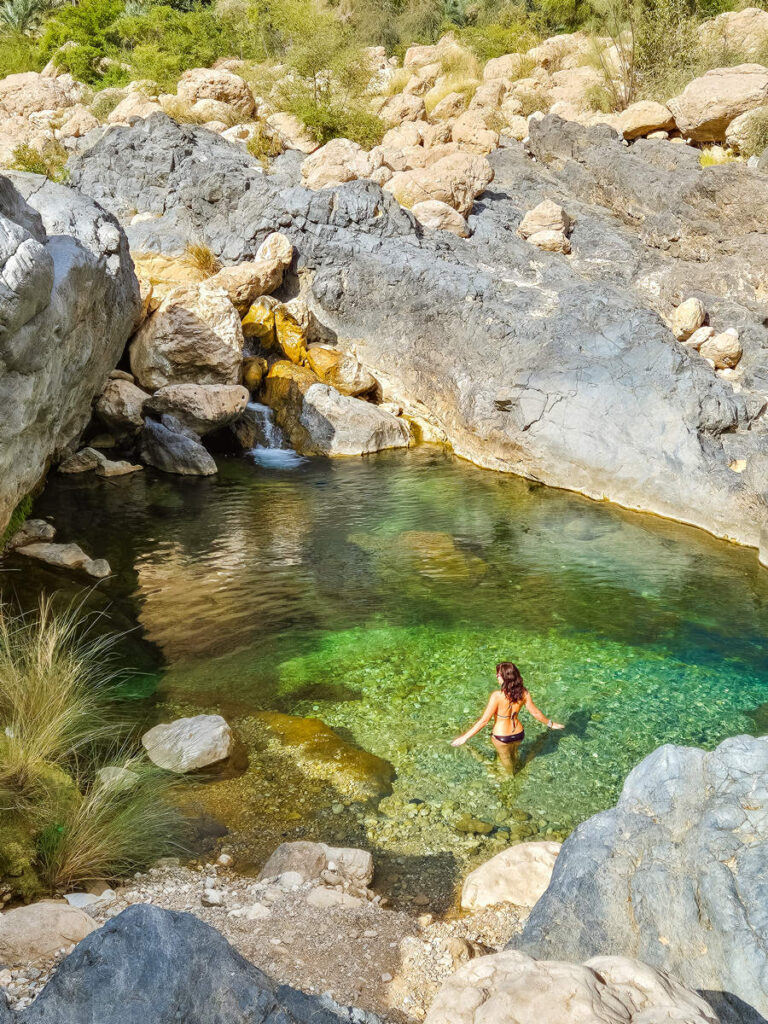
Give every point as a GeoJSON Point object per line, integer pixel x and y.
{"type": "Point", "coordinates": [151, 965]}
{"type": "Point", "coordinates": [675, 875]}
{"type": "Point", "coordinates": [560, 368]}
{"type": "Point", "coordinates": [173, 448]}
{"type": "Point", "coordinates": [68, 301]}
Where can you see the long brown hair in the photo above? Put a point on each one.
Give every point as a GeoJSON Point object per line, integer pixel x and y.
{"type": "Point", "coordinates": [511, 682]}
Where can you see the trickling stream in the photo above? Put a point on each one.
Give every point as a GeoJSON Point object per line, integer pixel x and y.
{"type": "Point", "coordinates": [272, 450]}
{"type": "Point", "coordinates": [377, 594]}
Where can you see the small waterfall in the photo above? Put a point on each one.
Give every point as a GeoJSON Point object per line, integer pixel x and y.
{"type": "Point", "coordinates": [269, 447]}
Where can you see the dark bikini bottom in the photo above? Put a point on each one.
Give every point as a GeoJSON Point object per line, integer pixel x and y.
{"type": "Point", "coordinates": [516, 737]}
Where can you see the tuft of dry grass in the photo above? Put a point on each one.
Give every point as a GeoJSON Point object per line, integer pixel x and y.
{"type": "Point", "coordinates": [715, 156]}
{"type": "Point", "coordinates": [120, 825]}
{"type": "Point", "coordinates": [533, 100]}
{"type": "Point", "coordinates": [200, 256]}
{"type": "Point", "coordinates": [398, 81]}
{"type": "Point", "coordinates": [447, 84]}
{"type": "Point", "coordinates": [52, 694]}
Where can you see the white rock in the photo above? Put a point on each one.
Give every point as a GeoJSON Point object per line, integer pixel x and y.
{"type": "Point", "coordinates": [723, 350]}
{"type": "Point", "coordinates": [257, 912]}
{"type": "Point", "coordinates": [189, 743]}
{"type": "Point", "coordinates": [511, 988]}
{"type": "Point", "coordinates": [518, 875]}
{"type": "Point", "coordinates": [547, 216]}
{"type": "Point", "coordinates": [212, 898]}
{"type": "Point", "coordinates": [698, 337]}
{"type": "Point", "coordinates": [551, 241]}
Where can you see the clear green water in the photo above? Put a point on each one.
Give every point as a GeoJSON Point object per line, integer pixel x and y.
{"type": "Point", "coordinates": [378, 595]}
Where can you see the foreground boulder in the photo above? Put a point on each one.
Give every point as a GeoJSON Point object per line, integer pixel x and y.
{"type": "Point", "coordinates": [201, 407]}
{"type": "Point", "coordinates": [69, 302]}
{"type": "Point", "coordinates": [151, 965]}
{"type": "Point", "coordinates": [39, 930]}
{"type": "Point", "coordinates": [189, 743]}
{"type": "Point", "coordinates": [520, 875]}
{"type": "Point", "coordinates": [508, 987]}
{"type": "Point", "coordinates": [674, 875]}
{"type": "Point", "coordinates": [66, 556]}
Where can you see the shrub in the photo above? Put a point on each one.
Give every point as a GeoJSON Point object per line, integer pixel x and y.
{"type": "Point", "coordinates": [198, 255]}
{"type": "Point", "coordinates": [599, 98]}
{"type": "Point", "coordinates": [104, 103]}
{"type": "Point", "coordinates": [263, 144]}
{"type": "Point", "coordinates": [50, 160]}
{"type": "Point", "coordinates": [714, 156]}
{"type": "Point", "coordinates": [756, 133]}
{"type": "Point", "coordinates": [18, 52]}
{"type": "Point", "coordinates": [18, 517]}
{"type": "Point", "coordinates": [454, 83]}
{"type": "Point", "coordinates": [117, 827]}
{"type": "Point", "coordinates": [533, 100]}
{"type": "Point", "coordinates": [330, 119]}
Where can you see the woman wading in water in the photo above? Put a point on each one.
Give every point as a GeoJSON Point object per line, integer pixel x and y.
{"type": "Point", "coordinates": [504, 706]}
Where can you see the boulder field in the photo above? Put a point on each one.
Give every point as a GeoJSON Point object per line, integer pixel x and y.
{"type": "Point", "coordinates": [69, 300]}
{"type": "Point", "coordinates": [556, 360]}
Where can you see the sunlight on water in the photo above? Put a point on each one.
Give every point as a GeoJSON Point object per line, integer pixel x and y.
{"type": "Point", "coordinates": [378, 594]}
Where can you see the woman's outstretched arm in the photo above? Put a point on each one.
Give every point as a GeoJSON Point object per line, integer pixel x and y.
{"type": "Point", "coordinates": [481, 723]}
{"type": "Point", "coordinates": [531, 708]}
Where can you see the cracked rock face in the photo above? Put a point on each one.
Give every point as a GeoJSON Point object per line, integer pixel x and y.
{"type": "Point", "coordinates": [675, 875]}
{"type": "Point", "coordinates": [68, 301]}
{"type": "Point", "coordinates": [563, 368]}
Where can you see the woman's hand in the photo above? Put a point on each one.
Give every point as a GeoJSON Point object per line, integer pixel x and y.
{"type": "Point", "coordinates": [459, 741]}
{"type": "Point", "coordinates": [557, 725]}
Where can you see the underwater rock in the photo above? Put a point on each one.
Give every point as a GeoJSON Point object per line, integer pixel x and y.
{"type": "Point", "coordinates": [66, 556]}
{"type": "Point", "coordinates": [674, 875]}
{"type": "Point", "coordinates": [320, 752]}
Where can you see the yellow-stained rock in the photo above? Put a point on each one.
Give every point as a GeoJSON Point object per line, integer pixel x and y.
{"type": "Point", "coordinates": [259, 321]}
{"type": "Point", "coordinates": [323, 359]}
{"type": "Point", "coordinates": [254, 370]}
{"type": "Point", "coordinates": [291, 336]}
{"type": "Point", "coordinates": [162, 274]}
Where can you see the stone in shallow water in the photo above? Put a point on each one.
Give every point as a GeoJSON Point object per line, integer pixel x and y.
{"type": "Point", "coordinates": [66, 556]}
{"type": "Point", "coordinates": [32, 530]}
{"type": "Point", "coordinates": [189, 743]}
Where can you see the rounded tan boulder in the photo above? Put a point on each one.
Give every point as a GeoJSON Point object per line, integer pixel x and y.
{"type": "Point", "coordinates": [292, 133]}
{"type": "Point", "coordinates": [338, 161]}
{"type": "Point", "coordinates": [643, 118]}
{"type": "Point", "coordinates": [120, 407]}
{"type": "Point", "coordinates": [135, 104]}
{"type": "Point", "coordinates": [194, 337]}
{"type": "Point", "coordinates": [517, 875]}
{"type": "Point", "coordinates": [747, 129]}
{"type": "Point", "coordinates": [245, 282]}
{"type": "Point", "coordinates": [403, 107]}
{"type": "Point", "coordinates": [39, 930]}
{"type": "Point", "coordinates": [547, 216]}
{"type": "Point", "coordinates": [724, 349]}
{"type": "Point", "coordinates": [216, 84]}
{"type": "Point", "coordinates": [687, 318]}
{"type": "Point", "coordinates": [457, 179]}
{"type": "Point", "coordinates": [511, 986]}
{"type": "Point", "coordinates": [471, 133]}
{"type": "Point", "coordinates": [201, 407]}
{"type": "Point", "coordinates": [440, 217]}
{"type": "Point", "coordinates": [452, 105]}
{"type": "Point", "coordinates": [707, 105]}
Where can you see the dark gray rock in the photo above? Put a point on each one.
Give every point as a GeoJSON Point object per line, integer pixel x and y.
{"type": "Point", "coordinates": [173, 448]}
{"type": "Point", "coordinates": [152, 966]}
{"type": "Point", "coordinates": [562, 369]}
{"type": "Point", "coordinates": [676, 875]}
{"type": "Point", "coordinates": [68, 302]}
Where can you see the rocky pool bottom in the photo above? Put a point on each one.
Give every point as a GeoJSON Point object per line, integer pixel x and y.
{"type": "Point", "coordinates": [373, 598]}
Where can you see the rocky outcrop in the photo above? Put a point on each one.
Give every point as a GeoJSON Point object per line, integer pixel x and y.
{"type": "Point", "coordinates": [562, 369]}
{"type": "Point", "coordinates": [674, 875]}
{"type": "Point", "coordinates": [612, 990]}
{"type": "Point", "coordinates": [149, 964]}
{"type": "Point", "coordinates": [68, 302]}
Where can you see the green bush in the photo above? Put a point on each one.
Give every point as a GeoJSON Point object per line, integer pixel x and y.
{"type": "Point", "coordinates": [18, 52]}
{"type": "Point", "coordinates": [50, 160]}
{"type": "Point", "coordinates": [328, 119]}
{"type": "Point", "coordinates": [18, 517]}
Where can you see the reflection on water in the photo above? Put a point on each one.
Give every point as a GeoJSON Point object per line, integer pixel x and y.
{"type": "Point", "coordinates": [378, 594]}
